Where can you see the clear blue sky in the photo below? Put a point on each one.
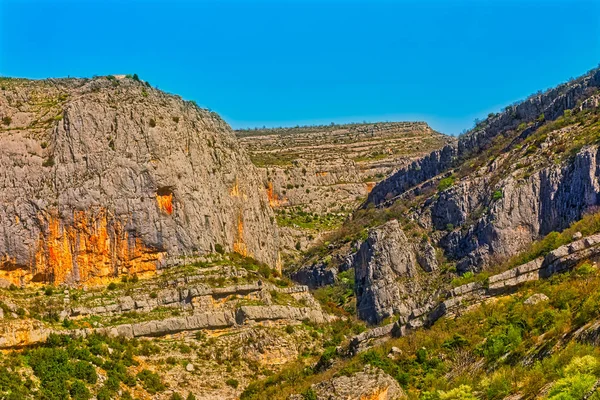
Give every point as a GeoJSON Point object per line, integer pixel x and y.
{"type": "Point", "coordinates": [302, 62]}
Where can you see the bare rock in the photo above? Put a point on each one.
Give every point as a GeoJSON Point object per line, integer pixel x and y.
{"type": "Point", "coordinates": [153, 176]}
{"type": "Point", "coordinates": [371, 383]}
{"type": "Point", "coordinates": [315, 276]}
{"type": "Point", "coordinates": [382, 259]}
{"type": "Point", "coordinates": [536, 298]}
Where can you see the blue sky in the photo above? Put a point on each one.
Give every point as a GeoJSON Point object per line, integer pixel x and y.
{"type": "Point", "coordinates": [302, 62]}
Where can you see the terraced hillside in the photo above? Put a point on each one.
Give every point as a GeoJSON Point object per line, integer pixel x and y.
{"type": "Point", "coordinates": [316, 175]}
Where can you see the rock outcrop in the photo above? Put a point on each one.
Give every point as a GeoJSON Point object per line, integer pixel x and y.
{"type": "Point", "coordinates": [550, 104]}
{"type": "Point", "coordinates": [369, 384]}
{"type": "Point", "coordinates": [387, 276]}
{"type": "Point", "coordinates": [315, 276]}
{"type": "Point", "coordinates": [549, 200]}
{"type": "Point", "coordinates": [461, 297]}
{"type": "Point", "coordinates": [106, 176]}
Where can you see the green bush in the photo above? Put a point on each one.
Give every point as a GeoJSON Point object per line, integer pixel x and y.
{"type": "Point", "coordinates": [446, 183]}
{"type": "Point", "coordinates": [501, 343]}
{"type": "Point", "coordinates": [85, 371]}
{"type": "Point", "coordinates": [112, 286]}
{"type": "Point", "coordinates": [497, 195]}
{"type": "Point", "coordinates": [232, 382]}
{"type": "Point", "coordinates": [463, 392]}
{"type": "Point", "coordinates": [309, 394]}
{"type": "Point", "coordinates": [6, 120]}
{"type": "Point", "coordinates": [545, 320]}
{"type": "Point", "coordinates": [150, 381]}
{"type": "Point", "coordinates": [79, 391]}
{"type": "Point", "coordinates": [577, 381]}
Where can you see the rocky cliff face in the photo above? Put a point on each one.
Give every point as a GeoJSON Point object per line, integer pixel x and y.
{"type": "Point", "coordinates": [108, 176]}
{"type": "Point", "coordinates": [549, 200]}
{"type": "Point", "coordinates": [389, 280]}
{"type": "Point", "coordinates": [516, 177]}
{"type": "Point", "coordinates": [549, 105]}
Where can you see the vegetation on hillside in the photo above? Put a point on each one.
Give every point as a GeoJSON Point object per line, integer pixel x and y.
{"type": "Point", "coordinates": [500, 348]}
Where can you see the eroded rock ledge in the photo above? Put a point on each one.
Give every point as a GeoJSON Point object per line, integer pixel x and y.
{"type": "Point", "coordinates": [458, 299]}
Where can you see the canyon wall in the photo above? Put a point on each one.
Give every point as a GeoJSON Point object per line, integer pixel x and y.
{"type": "Point", "coordinates": [109, 176]}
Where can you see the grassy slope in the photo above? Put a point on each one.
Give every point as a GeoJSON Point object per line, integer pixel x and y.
{"type": "Point", "coordinates": [499, 348]}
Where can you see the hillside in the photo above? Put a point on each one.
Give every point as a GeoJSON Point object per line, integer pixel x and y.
{"type": "Point", "coordinates": [316, 175]}
{"type": "Point", "coordinates": [105, 176]}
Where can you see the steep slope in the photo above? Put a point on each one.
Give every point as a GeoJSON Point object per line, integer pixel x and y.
{"type": "Point", "coordinates": [517, 176]}
{"type": "Point", "coordinates": [109, 176]}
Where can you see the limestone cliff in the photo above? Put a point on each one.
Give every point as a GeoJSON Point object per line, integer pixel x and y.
{"type": "Point", "coordinates": [109, 176]}
{"type": "Point", "coordinates": [514, 178]}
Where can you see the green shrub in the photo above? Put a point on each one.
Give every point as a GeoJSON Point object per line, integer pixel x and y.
{"type": "Point", "coordinates": [152, 123]}
{"type": "Point", "coordinates": [309, 394]}
{"type": "Point", "coordinates": [463, 392]}
{"type": "Point", "coordinates": [232, 382]}
{"type": "Point", "coordinates": [85, 371]}
{"type": "Point", "coordinates": [49, 162]}
{"type": "Point", "coordinates": [446, 183]}
{"type": "Point", "coordinates": [578, 379]}
{"type": "Point", "coordinates": [545, 320]}
{"type": "Point", "coordinates": [497, 195]}
{"type": "Point", "coordinates": [79, 391]}
{"type": "Point", "coordinates": [219, 248]}
{"type": "Point", "coordinates": [501, 343]}
{"type": "Point", "coordinates": [112, 286]}
{"type": "Point", "coordinates": [6, 120]}
{"type": "Point", "coordinates": [150, 381]}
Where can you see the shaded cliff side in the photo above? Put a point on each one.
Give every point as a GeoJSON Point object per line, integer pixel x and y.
{"type": "Point", "coordinates": [109, 176]}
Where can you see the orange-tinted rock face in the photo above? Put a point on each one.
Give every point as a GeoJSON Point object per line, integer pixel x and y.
{"type": "Point", "coordinates": [370, 186]}
{"type": "Point", "coordinates": [274, 200]}
{"type": "Point", "coordinates": [379, 394]}
{"type": "Point", "coordinates": [239, 246]}
{"type": "Point", "coordinates": [94, 248]}
{"type": "Point", "coordinates": [165, 202]}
